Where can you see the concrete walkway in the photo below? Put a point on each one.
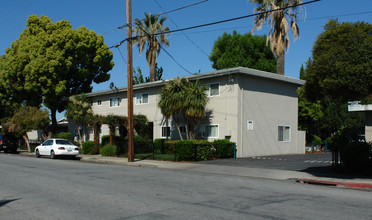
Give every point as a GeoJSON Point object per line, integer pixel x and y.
{"type": "Point", "coordinates": [341, 181]}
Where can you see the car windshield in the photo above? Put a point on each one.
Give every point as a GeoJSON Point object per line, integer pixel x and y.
{"type": "Point", "coordinates": [63, 142]}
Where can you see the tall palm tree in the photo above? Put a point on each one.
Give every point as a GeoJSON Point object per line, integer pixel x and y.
{"type": "Point", "coordinates": [278, 33]}
{"type": "Point", "coordinates": [146, 31]}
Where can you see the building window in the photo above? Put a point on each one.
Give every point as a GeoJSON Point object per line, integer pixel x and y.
{"type": "Point", "coordinates": [212, 131]}
{"type": "Point", "coordinates": [165, 132]}
{"type": "Point", "coordinates": [142, 98]}
{"type": "Point", "coordinates": [284, 133]}
{"type": "Point", "coordinates": [99, 102]}
{"type": "Point", "coordinates": [213, 90]}
{"type": "Point", "coordinates": [114, 102]}
{"type": "Point", "coordinates": [183, 129]}
{"type": "Point", "coordinates": [208, 131]}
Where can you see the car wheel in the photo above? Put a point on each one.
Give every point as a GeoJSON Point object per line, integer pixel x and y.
{"type": "Point", "coordinates": [52, 155]}
{"type": "Point", "coordinates": [37, 154]}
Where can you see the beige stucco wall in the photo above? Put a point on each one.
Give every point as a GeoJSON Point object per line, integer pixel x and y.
{"type": "Point", "coordinates": [368, 126]}
{"type": "Point", "coordinates": [268, 104]}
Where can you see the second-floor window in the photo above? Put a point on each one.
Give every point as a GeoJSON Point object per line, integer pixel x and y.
{"type": "Point", "coordinates": [99, 102]}
{"type": "Point", "coordinates": [142, 98]}
{"type": "Point", "coordinates": [213, 89]}
{"type": "Point", "coordinates": [114, 102]}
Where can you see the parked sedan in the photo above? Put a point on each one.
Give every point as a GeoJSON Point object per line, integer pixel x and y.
{"type": "Point", "coordinates": [56, 147]}
{"type": "Point", "coordinates": [8, 142]}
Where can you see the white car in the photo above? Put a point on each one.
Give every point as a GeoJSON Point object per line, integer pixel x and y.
{"type": "Point", "coordinates": [56, 147]}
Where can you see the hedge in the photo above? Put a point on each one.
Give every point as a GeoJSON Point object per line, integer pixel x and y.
{"type": "Point", "coordinates": [88, 147]}
{"type": "Point", "coordinates": [108, 150]}
{"type": "Point", "coordinates": [64, 135]}
{"type": "Point", "coordinates": [224, 148]}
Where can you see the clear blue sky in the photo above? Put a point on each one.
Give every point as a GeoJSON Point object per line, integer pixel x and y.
{"type": "Point", "coordinates": [104, 16]}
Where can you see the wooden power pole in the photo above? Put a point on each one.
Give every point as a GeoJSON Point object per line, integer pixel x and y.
{"type": "Point", "coordinates": [130, 82]}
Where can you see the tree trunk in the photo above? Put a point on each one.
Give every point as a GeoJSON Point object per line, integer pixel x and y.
{"type": "Point", "coordinates": [80, 136]}
{"type": "Point", "coordinates": [152, 71]}
{"type": "Point", "coordinates": [280, 64]}
{"type": "Point", "coordinates": [152, 61]}
{"type": "Point", "coordinates": [25, 137]}
{"type": "Point", "coordinates": [53, 113]}
{"type": "Point", "coordinates": [111, 134]}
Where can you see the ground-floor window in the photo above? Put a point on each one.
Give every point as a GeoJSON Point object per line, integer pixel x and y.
{"type": "Point", "coordinates": [208, 131]}
{"type": "Point", "coordinates": [284, 133]}
{"type": "Point", "coordinates": [165, 132]}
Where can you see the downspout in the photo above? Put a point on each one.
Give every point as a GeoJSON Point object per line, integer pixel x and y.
{"type": "Point", "coordinates": [241, 118]}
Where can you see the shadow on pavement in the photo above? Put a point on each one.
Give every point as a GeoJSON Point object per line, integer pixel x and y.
{"type": "Point", "coordinates": [330, 172]}
{"type": "Point", "coordinates": [4, 202]}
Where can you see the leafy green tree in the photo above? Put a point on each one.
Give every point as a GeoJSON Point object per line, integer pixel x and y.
{"type": "Point", "coordinates": [27, 119]}
{"type": "Point", "coordinates": [242, 50]}
{"type": "Point", "coordinates": [146, 31]}
{"type": "Point", "coordinates": [279, 21]}
{"type": "Point", "coordinates": [138, 77]}
{"type": "Point", "coordinates": [341, 64]}
{"type": "Point", "coordinates": [184, 102]}
{"type": "Point", "coordinates": [113, 121]}
{"type": "Point", "coordinates": [79, 110]}
{"type": "Point", "coordinates": [95, 122]}
{"type": "Point", "coordinates": [52, 62]}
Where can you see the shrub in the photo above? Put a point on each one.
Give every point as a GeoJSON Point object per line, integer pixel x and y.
{"type": "Point", "coordinates": [88, 147]}
{"type": "Point", "coordinates": [224, 148]}
{"type": "Point", "coordinates": [108, 150]}
{"type": "Point", "coordinates": [158, 146]}
{"type": "Point", "coordinates": [356, 155]}
{"type": "Point", "coordinates": [185, 150]}
{"type": "Point", "coordinates": [169, 146]}
{"type": "Point", "coordinates": [204, 150]}
{"type": "Point", "coordinates": [317, 140]}
{"type": "Point", "coordinates": [64, 135]}
{"type": "Point", "coordinates": [141, 146]}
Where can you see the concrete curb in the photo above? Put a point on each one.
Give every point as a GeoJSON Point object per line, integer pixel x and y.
{"type": "Point", "coordinates": [336, 183]}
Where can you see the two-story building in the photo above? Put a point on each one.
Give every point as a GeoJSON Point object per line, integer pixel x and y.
{"type": "Point", "coordinates": [256, 109]}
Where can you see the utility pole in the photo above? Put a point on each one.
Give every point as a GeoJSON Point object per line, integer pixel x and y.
{"type": "Point", "coordinates": [130, 82]}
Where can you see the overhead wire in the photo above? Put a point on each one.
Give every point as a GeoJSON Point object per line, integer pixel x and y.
{"type": "Point", "coordinates": [167, 52]}
{"type": "Point", "coordinates": [182, 31]}
{"type": "Point", "coordinates": [158, 14]}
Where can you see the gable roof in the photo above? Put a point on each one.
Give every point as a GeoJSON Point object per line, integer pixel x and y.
{"type": "Point", "coordinates": [217, 73]}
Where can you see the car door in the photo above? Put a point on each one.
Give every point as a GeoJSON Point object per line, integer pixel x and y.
{"type": "Point", "coordinates": [45, 147]}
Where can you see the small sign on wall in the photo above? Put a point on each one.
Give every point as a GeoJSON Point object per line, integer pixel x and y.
{"type": "Point", "coordinates": [250, 125]}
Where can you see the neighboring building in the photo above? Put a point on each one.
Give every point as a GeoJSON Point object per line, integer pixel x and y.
{"type": "Point", "coordinates": [257, 110]}
{"type": "Point", "coordinates": [357, 107]}
{"type": "Point", "coordinates": [36, 137]}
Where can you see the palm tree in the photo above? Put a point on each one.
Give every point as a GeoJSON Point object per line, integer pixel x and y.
{"type": "Point", "coordinates": [184, 102]}
{"type": "Point", "coordinates": [278, 33]}
{"type": "Point", "coordinates": [146, 31]}
{"type": "Point", "coordinates": [95, 123]}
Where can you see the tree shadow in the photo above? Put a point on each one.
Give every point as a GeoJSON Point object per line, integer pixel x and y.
{"type": "Point", "coordinates": [340, 173]}
{"type": "Point", "coordinates": [4, 202]}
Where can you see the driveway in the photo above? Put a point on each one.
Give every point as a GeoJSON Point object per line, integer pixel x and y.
{"type": "Point", "coordinates": [311, 163]}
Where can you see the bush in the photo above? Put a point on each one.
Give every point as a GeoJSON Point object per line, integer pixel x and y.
{"type": "Point", "coordinates": [158, 146]}
{"type": "Point", "coordinates": [169, 146]}
{"type": "Point", "coordinates": [64, 135]}
{"type": "Point", "coordinates": [194, 150]}
{"type": "Point", "coordinates": [317, 140]}
{"type": "Point", "coordinates": [108, 150]}
{"type": "Point", "coordinates": [356, 155]}
{"type": "Point", "coordinates": [185, 150]}
{"type": "Point", "coordinates": [88, 147]}
{"type": "Point", "coordinates": [224, 148]}
{"type": "Point", "coordinates": [141, 146]}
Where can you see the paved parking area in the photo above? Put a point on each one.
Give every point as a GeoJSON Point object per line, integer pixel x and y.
{"type": "Point", "coordinates": [303, 162]}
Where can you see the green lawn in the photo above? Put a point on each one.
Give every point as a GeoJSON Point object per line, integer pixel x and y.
{"type": "Point", "coordinates": [169, 157]}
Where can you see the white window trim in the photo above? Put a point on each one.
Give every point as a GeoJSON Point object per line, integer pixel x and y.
{"type": "Point", "coordinates": [209, 89]}
{"type": "Point", "coordinates": [142, 98]}
{"type": "Point", "coordinates": [289, 136]}
{"type": "Point", "coordinates": [161, 132]}
{"type": "Point", "coordinates": [99, 102]}
{"type": "Point", "coordinates": [203, 129]}
{"type": "Point", "coordinates": [118, 99]}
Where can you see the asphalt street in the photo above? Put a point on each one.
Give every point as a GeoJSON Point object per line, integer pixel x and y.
{"type": "Point", "coordinates": [69, 189]}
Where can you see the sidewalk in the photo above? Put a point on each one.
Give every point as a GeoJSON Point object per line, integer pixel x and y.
{"type": "Point", "coordinates": [302, 177]}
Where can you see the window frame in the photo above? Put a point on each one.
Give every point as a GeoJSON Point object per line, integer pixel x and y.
{"type": "Point", "coordinates": [168, 131]}
{"type": "Point", "coordinates": [118, 101]}
{"type": "Point", "coordinates": [282, 138]}
{"type": "Point", "coordinates": [99, 102]}
{"type": "Point", "coordinates": [208, 91]}
{"type": "Point", "coordinates": [141, 99]}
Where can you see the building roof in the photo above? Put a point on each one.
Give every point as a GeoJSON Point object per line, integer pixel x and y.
{"type": "Point", "coordinates": [217, 73]}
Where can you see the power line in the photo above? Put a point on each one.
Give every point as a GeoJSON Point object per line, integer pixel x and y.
{"type": "Point", "coordinates": [182, 31]}
{"type": "Point", "coordinates": [121, 54]}
{"type": "Point", "coordinates": [166, 52]}
{"type": "Point", "coordinates": [167, 12]}
{"type": "Point", "coordinates": [232, 19]}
